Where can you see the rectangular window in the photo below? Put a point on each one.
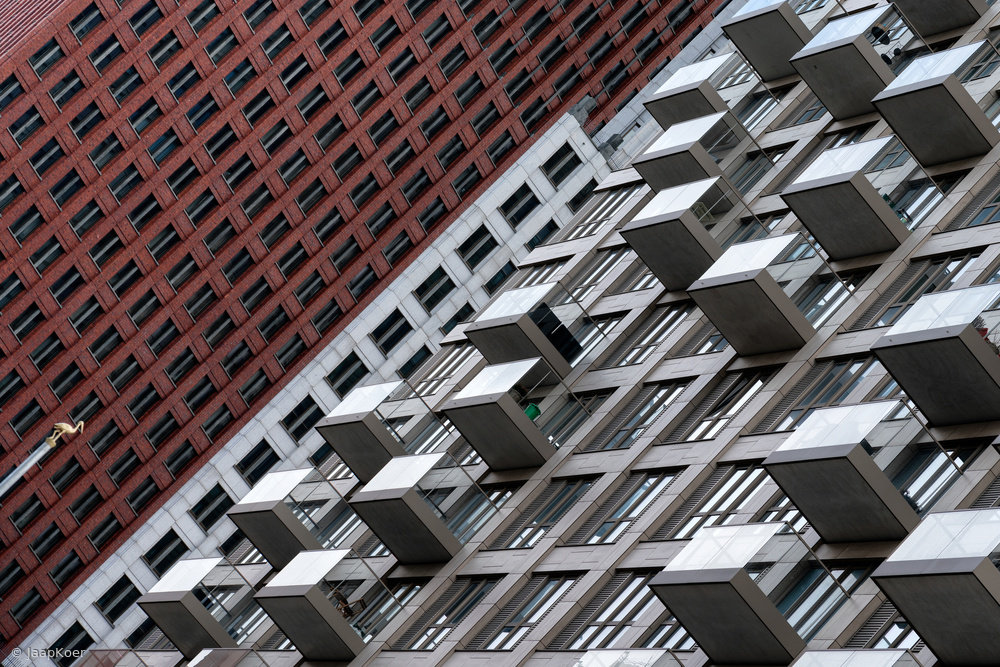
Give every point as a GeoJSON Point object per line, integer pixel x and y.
{"type": "Point", "coordinates": [168, 550]}
{"type": "Point", "coordinates": [633, 419]}
{"type": "Point", "coordinates": [610, 614]}
{"type": "Point", "coordinates": [365, 99]}
{"type": "Point", "coordinates": [180, 458]}
{"type": "Point", "coordinates": [258, 107]}
{"type": "Point", "coordinates": [418, 94]}
{"type": "Point", "coordinates": [542, 514]}
{"type": "Point", "coordinates": [212, 507]}
{"type": "Point", "coordinates": [362, 282]}
{"type": "Point", "coordinates": [454, 605]}
{"type": "Point", "coordinates": [117, 599]}
{"type": "Point", "coordinates": [240, 76]}
{"type": "Point", "coordinates": [86, 21]}
{"type": "Point", "coordinates": [477, 247]}
{"type": "Point", "coordinates": [720, 406]}
{"type": "Point", "coordinates": [202, 15]}
{"type": "Point", "coordinates": [257, 12]}
{"type": "Point", "coordinates": [106, 53]}
{"type": "Point", "coordinates": [45, 57]}
{"type": "Point", "coordinates": [66, 89]}
{"type": "Point", "coordinates": [347, 374]}
{"type": "Point", "coordinates": [624, 506]}
{"type": "Point", "coordinates": [277, 42]}
{"type": "Point", "coordinates": [86, 120]}
{"type": "Point", "coordinates": [391, 331]}
{"type": "Point", "coordinates": [301, 420]}
{"type": "Point", "coordinates": [332, 38]}
{"type": "Point", "coordinates": [86, 503]}
{"type": "Point", "coordinates": [434, 289]}
{"type": "Point", "coordinates": [164, 50]}
{"type": "Point", "coordinates": [257, 463]}
{"type": "Point", "coordinates": [561, 165]}
{"type": "Point", "coordinates": [517, 618]}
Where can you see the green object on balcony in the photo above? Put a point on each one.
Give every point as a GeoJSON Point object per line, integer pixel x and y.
{"type": "Point", "coordinates": [533, 411]}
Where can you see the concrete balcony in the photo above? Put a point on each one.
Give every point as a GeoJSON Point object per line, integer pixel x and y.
{"type": "Point", "coordinates": [711, 588]}
{"type": "Point", "coordinates": [741, 296]}
{"type": "Point", "coordinates": [377, 422]}
{"type": "Point", "coordinates": [848, 62]}
{"type": "Point", "coordinates": [540, 321]}
{"type": "Point", "coordinates": [423, 508]}
{"type": "Point", "coordinates": [206, 603]}
{"type": "Point", "coordinates": [940, 353]}
{"type": "Point", "coordinates": [768, 34]}
{"type": "Point", "coordinates": [826, 469]}
{"type": "Point", "coordinates": [933, 114]}
{"type": "Point", "coordinates": [838, 204]}
{"type": "Point", "coordinates": [669, 233]}
{"type": "Point", "coordinates": [930, 17]}
{"type": "Point", "coordinates": [488, 413]}
{"type": "Point", "coordinates": [323, 601]}
{"type": "Point", "coordinates": [943, 578]}
{"type": "Point", "coordinates": [863, 658]}
{"type": "Point", "coordinates": [690, 151]}
{"type": "Point", "coordinates": [692, 91]}
{"type": "Point", "coordinates": [289, 511]}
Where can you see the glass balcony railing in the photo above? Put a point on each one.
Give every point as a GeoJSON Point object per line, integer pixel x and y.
{"type": "Point", "coordinates": [289, 511]}
{"type": "Point", "coordinates": [329, 604]}
{"type": "Point", "coordinates": [750, 293]}
{"type": "Point", "coordinates": [932, 110]}
{"type": "Point", "coordinates": [499, 409]}
{"type": "Point", "coordinates": [765, 576]}
{"type": "Point", "coordinates": [423, 508]}
{"type": "Point", "coordinates": [694, 150]}
{"type": "Point", "coordinates": [377, 422]}
{"type": "Point", "coordinates": [852, 59]}
{"type": "Point", "coordinates": [768, 33]}
{"type": "Point", "coordinates": [944, 580]}
{"type": "Point", "coordinates": [693, 91]}
{"type": "Point", "coordinates": [943, 353]}
{"type": "Point", "coordinates": [223, 593]}
{"type": "Point", "coordinates": [670, 234]}
{"type": "Point", "coordinates": [544, 321]}
{"type": "Point", "coordinates": [844, 202]}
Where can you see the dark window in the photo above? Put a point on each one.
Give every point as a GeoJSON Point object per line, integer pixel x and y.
{"type": "Point", "coordinates": [257, 463]}
{"type": "Point", "coordinates": [167, 551]}
{"type": "Point", "coordinates": [391, 331]}
{"type": "Point", "coordinates": [117, 600]}
{"type": "Point", "coordinates": [475, 249]}
{"type": "Point", "coordinates": [212, 507]}
{"type": "Point", "coordinates": [300, 421]}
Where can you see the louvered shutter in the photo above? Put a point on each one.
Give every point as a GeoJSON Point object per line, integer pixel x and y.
{"type": "Point", "coordinates": [626, 346]}
{"type": "Point", "coordinates": [887, 297]}
{"type": "Point", "coordinates": [623, 416]}
{"type": "Point", "coordinates": [606, 508]}
{"type": "Point", "coordinates": [591, 609]}
{"type": "Point", "coordinates": [970, 211]}
{"type": "Point", "coordinates": [691, 504]}
{"type": "Point", "coordinates": [274, 641]}
{"type": "Point", "coordinates": [630, 276]}
{"type": "Point", "coordinates": [703, 408]}
{"type": "Point", "coordinates": [792, 396]}
{"type": "Point", "coordinates": [508, 610]}
{"type": "Point", "coordinates": [368, 545]}
{"type": "Point", "coordinates": [875, 623]}
{"type": "Point", "coordinates": [700, 337]}
{"type": "Point", "coordinates": [432, 612]}
{"type": "Point", "coordinates": [526, 516]}
{"type": "Point", "coordinates": [989, 497]}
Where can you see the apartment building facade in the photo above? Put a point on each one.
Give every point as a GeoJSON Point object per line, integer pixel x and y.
{"type": "Point", "coordinates": [206, 196]}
